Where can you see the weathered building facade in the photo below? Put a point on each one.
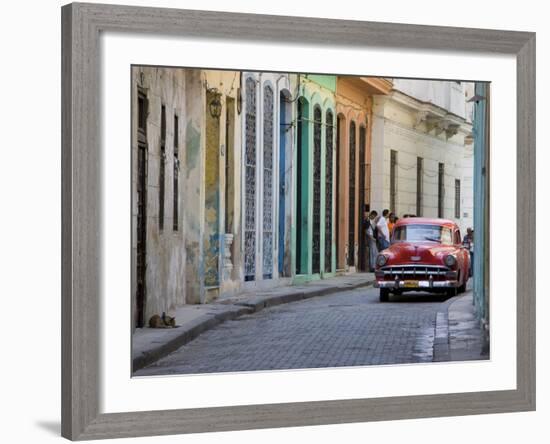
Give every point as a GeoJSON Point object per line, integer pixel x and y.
{"type": "Point", "coordinates": [421, 150]}
{"type": "Point", "coordinates": [354, 98]}
{"type": "Point", "coordinates": [186, 193]}
{"type": "Point", "coordinates": [158, 246]}
{"type": "Point", "coordinates": [314, 166]}
{"type": "Point", "coordinates": [266, 198]}
{"type": "Point", "coordinates": [252, 180]}
{"type": "Point", "coordinates": [221, 180]}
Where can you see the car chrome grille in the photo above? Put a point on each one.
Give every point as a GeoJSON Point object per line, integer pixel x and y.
{"type": "Point", "coordinates": [419, 272]}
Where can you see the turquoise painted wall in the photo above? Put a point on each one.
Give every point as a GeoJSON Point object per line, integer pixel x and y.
{"type": "Point", "coordinates": [480, 200]}
{"type": "Point", "coordinates": [328, 82]}
{"type": "Point", "coordinates": [317, 90]}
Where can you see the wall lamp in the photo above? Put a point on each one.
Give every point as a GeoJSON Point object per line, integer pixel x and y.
{"type": "Point", "coordinates": [239, 100]}
{"type": "Point", "coordinates": [215, 105]}
{"type": "Point", "coordinates": [476, 99]}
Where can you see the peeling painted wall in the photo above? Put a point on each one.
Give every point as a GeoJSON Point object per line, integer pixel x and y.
{"type": "Point", "coordinates": [222, 173]}
{"type": "Point", "coordinates": [194, 187]}
{"type": "Point", "coordinates": [165, 253]}
{"type": "Point", "coordinates": [212, 228]}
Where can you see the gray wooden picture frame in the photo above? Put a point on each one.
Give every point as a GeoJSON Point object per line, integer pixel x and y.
{"type": "Point", "coordinates": [81, 231]}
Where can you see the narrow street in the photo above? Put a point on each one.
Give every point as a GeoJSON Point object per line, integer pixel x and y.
{"type": "Point", "coordinates": [349, 328]}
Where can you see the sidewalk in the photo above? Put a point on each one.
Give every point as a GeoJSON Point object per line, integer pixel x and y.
{"type": "Point", "coordinates": [151, 344]}
{"type": "Point", "coordinates": [466, 337]}
{"type": "Point", "coordinates": [459, 336]}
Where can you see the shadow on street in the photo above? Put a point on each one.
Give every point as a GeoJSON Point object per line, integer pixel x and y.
{"type": "Point", "coordinates": [419, 297]}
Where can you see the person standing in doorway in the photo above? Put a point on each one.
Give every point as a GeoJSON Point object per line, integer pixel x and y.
{"type": "Point", "coordinates": [468, 242]}
{"type": "Point", "coordinates": [383, 231]}
{"type": "Point", "coordinates": [371, 239]}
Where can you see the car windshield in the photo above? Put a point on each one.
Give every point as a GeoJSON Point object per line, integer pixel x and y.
{"type": "Point", "coordinates": [422, 233]}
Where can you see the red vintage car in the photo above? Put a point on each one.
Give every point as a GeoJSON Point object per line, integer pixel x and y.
{"type": "Point", "coordinates": [424, 255]}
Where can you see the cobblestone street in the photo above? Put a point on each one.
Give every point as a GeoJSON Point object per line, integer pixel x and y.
{"type": "Point", "coordinates": [344, 329]}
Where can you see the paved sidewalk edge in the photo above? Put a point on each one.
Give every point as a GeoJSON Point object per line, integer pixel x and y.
{"type": "Point", "coordinates": [187, 333]}
{"type": "Point", "coordinates": [442, 346]}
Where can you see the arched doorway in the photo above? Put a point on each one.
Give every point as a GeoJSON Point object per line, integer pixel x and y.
{"type": "Point", "coordinates": [340, 201]}
{"type": "Point", "coordinates": [329, 198]}
{"type": "Point", "coordinates": [362, 241]}
{"type": "Point", "coordinates": [316, 239]}
{"type": "Point", "coordinates": [250, 181]}
{"type": "Point", "coordinates": [285, 145]}
{"type": "Point", "coordinates": [352, 189]}
{"type": "Point", "coordinates": [302, 186]}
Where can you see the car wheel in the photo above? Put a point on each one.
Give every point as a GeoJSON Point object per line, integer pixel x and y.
{"type": "Point", "coordinates": [384, 295]}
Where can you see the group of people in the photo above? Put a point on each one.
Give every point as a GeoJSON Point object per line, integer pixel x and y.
{"type": "Point", "coordinates": [379, 229]}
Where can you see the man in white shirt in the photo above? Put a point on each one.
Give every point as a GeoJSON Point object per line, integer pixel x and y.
{"type": "Point", "coordinates": [383, 231]}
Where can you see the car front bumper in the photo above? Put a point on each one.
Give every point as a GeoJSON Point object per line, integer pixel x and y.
{"type": "Point", "coordinates": [416, 285]}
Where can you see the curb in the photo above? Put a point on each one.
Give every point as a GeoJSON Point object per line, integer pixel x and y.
{"type": "Point", "coordinates": [442, 346]}
{"type": "Point", "coordinates": [187, 333]}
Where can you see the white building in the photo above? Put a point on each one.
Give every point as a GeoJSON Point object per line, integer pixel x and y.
{"type": "Point", "coordinates": [422, 152]}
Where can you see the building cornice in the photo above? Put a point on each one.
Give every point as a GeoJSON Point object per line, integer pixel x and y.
{"type": "Point", "coordinates": [434, 117]}
{"type": "Point", "coordinates": [368, 86]}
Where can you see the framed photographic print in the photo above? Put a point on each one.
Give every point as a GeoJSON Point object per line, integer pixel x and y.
{"type": "Point", "coordinates": [283, 221]}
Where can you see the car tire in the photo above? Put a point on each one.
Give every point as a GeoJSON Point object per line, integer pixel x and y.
{"type": "Point", "coordinates": [384, 295]}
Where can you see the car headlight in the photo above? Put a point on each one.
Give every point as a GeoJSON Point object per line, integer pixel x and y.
{"type": "Point", "coordinates": [381, 260]}
{"type": "Point", "coordinates": [450, 260]}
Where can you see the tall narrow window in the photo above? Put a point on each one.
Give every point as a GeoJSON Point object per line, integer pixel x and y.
{"type": "Point", "coordinates": [457, 198]}
{"type": "Point", "coordinates": [267, 235]}
{"type": "Point", "coordinates": [162, 166]}
{"type": "Point", "coordinates": [419, 184]}
{"type": "Point", "coordinates": [316, 247]}
{"type": "Point", "coordinates": [250, 182]}
{"type": "Point", "coordinates": [175, 194]}
{"type": "Point", "coordinates": [440, 189]}
{"type": "Point", "coordinates": [329, 131]}
{"type": "Point", "coordinates": [229, 164]}
{"type": "Point", "coordinates": [393, 179]}
{"type": "Point", "coordinates": [351, 221]}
